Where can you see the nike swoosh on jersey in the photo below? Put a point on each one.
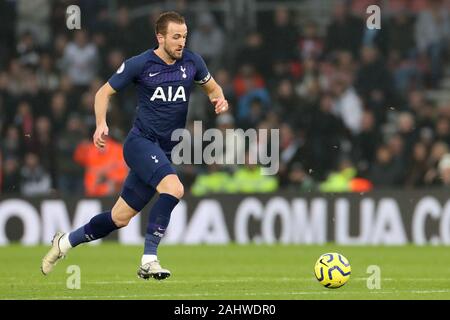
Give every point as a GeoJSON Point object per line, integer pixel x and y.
{"type": "Point", "coordinates": [153, 74]}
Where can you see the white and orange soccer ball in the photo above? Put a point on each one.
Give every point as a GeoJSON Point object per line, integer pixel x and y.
{"type": "Point", "coordinates": [332, 270]}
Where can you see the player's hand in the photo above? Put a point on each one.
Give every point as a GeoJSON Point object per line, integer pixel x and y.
{"type": "Point", "coordinates": [101, 131]}
{"type": "Point", "coordinates": [220, 105]}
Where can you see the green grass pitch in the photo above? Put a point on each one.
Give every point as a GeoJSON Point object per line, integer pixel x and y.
{"type": "Point", "coordinates": [108, 271]}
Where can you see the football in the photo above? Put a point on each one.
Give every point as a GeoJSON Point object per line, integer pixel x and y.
{"type": "Point", "coordinates": [332, 270]}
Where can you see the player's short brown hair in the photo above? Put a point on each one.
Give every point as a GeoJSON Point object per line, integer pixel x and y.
{"type": "Point", "coordinates": [164, 19]}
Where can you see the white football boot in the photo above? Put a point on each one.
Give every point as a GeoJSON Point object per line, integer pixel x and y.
{"type": "Point", "coordinates": [153, 269]}
{"type": "Point", "coordinates": [53, 255]}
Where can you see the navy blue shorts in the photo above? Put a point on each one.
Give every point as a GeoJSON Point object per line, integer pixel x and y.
{"type": "Point", "coordinates": [148, 165]}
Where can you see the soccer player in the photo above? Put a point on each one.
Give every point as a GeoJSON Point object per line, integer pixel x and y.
{"type": "Point", "coordinates": [164, 77]}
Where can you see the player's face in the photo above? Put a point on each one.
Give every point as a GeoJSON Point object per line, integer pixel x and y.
{"type": "Point", "coordinates": [175, 40]}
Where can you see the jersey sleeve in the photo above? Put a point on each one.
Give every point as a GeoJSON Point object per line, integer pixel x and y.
{"type": "Point", "coordinates": [126, 73]}
{"type": "Point", "coordinates": [202, 74]}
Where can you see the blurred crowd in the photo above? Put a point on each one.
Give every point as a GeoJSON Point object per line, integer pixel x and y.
{"type": "Point", "coordinates": [351, 103]}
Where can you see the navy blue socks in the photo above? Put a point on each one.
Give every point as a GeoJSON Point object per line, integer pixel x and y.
{"type": "Point", "coordinates": [102, 224]}
{"type": "Point", "coordinates": [98, 227]}
{"type": "Point", "coordinates": [158, 221]}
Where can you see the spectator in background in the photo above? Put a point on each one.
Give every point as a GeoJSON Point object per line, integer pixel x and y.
{"type": "Point", "coordinates": [254, 53]}
{"type": "Point", "coordinates": [35, 180]}
{"type": "Point", "coordinates": [4, 113]}
{"type": "Point", "coordinates": [401, 49]}
{"type": "Point", "coordinates": [11, 153]}
{"type": "Point", "coordinates": [98, 18]}
{"type": "Point", "coordinates": [418, 167]}
{"type": "Point", "coordinates": [105, 169]}
{"type": "Point", "coordinates": [59, 45]}
{"type": "Point", "coordinates": [416, 101]}
{"type": "Point", "coordinates": [407, 130]}
{"type": "Point", "coordinates": [365, 142]}
{"type": "Point", "coordinates": [280, 70]}
{"type": "Point", "coordinates": [249, 87]}
{"type": "Point", "coordinates": [27, 50]}
{"type": "Point", "coordinates": [345, 30]}
{"type": "Point", "coordinates": [44, 146]}
{"type": "Point", "coordinates": [81, 61]}
{"type": "Point", "coordinates": [12, 144]}
{"type": "Point", "coordinates": [385, 172]}
{"type": "Point", "coordinates": [58, 112]}
{"type": "Point", "coordinates": [438, 150]}
{"type": "Point", "coordinates": [286, 101]}
{"type": "Point", "coordinates": [213, 181]}
{"type": "Point", "coordinates": [347, 104]}
{"type": "Point", "coordinates": [249, 179]}
{"type": "Point", "coordinates": [7, 34]}
{"type": "Point", "coordinates": [282, 34]}
{"type": "Point", "coordinates": [443, 111]}
{"type": "Point", "coordinates": [47, 76]}
{"type": "Point", "coordinates": [324, 135]}
{"type": "Point", "coordinates": [207, 31]}
{"type": "Point", "coordinates": [432, 34]}
{"type": "Point", "coordinates": [345, 63]}
{"type": "Point", "coordinates": [291, 151]}
{"type": "Point", "coordinates": [93, 13]}
{"type": "Point", "coordinates": [121, 31]}
{"type": "Point", "coordinates": [57, 16]}
{"type": "Point", "coordinates": [32, 93]}
{"type": "Point", "coordinates": [310, 45]}
{"type": "Point", "coordinates": [299, 180]}
{"type": "Point", "coordinates": [444, 170]}
{"type": "Point", "coordinates": [115, 58]}
{"type": "Point", "coordinates": [400, 154]}
{"type": "Point", "coordinates": [309, 81]}
{"type": "Point", "coordinates": [24, 120]}
{"type": "Point", "coordinates": [15, 84]}
{"type": "Point", "coordinates": [374, 82]}
{"type": "Point", "coordinates": [400, 27]}
{"type": "Point", "coordinates": [87, 109]}
{"type": "Point", "coordinates": [100, 41]}
{"type": "Point", "coordinates": [70, 173]}
{"type": "Point", "coordinates": [72, 97]}
{"type": "Point", "coordinates": [34, 16]}
{"type": "Point", "coordinates": [426, 137]}
{"type": "Point", "coordinates": [425, 119]}
{"type": "Point", "coordinates": [252, 110]}
{"type": "Point", "coordinates": [246, 80]}
{"type": "Point", "coordinates": [341, 179]}
{"type": "Point", "coordinates": [11, 175]}
{"type": "Point", "coordinates": [443, 130]}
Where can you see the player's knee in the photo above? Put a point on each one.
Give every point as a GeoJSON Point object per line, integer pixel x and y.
{"type": "Point", "coordinates": [119, 219]}
{"type": "Point", "coordinates": [120, 222]}
{"type": "Point", "coordinates": [171, 185]}
{"type": "Point", "coordinates": [180, 191]}
{"type": "Point", "coordinates": [176, 190]}
{"type": "Point", "coordinates": [121, 216]}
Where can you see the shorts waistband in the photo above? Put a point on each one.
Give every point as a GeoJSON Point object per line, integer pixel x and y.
{"type": "Point", "coordinates": [137, 131]}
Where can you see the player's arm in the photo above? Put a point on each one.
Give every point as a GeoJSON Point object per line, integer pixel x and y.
{"type": "Point", "coordinates": [125, 75]}
{"type": "Point", "coordinates": [215, 95]}
{"type": "Point", "coordinates": [101, 106]}
{"type": "Point", "coordinates": [209, 85]}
